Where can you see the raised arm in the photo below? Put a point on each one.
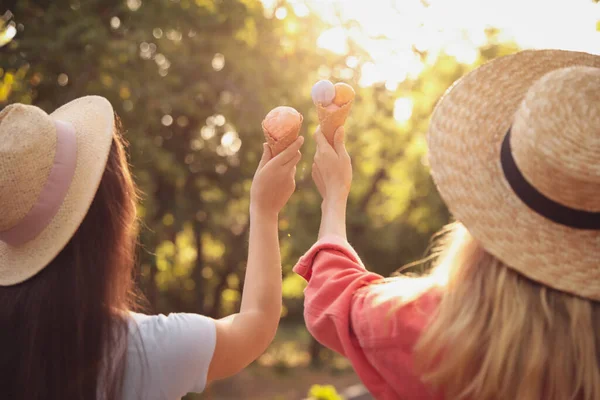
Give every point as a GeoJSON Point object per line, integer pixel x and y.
{"type": "Point", "coordinates": [243, 337]}
{"type": "Point", "coordinates": [332, 173]}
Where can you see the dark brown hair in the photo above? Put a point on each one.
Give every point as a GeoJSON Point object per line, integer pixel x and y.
{"type": "Point", "coordinates": [58, 328]}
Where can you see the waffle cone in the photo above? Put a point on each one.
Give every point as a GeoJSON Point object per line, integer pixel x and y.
{"type": "Point", "coordinates": [331, 120]}
{"type": "Point", "coordinates": [279, 145]}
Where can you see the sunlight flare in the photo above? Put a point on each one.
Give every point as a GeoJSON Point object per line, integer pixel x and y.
{"type": "Point", "coordinates": [403, 108]}
{"type": "Point", "coordinates": [389, 30]}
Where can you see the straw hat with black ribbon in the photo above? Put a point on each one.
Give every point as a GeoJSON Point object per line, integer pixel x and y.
{"type": "Point", "coordinates": [515, 153]}
{"type": "Point", "coordinates": [50, 170]}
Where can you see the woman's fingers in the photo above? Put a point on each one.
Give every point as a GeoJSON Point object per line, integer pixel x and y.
{"type": "Point", "coordinates": [293, 176]}
{"type": "Point", "coordinates": [315, 169]}
{"type": "Point", "coordinates": [290, 153]}
{"type": "Point", "coordinates": [338, 142]}
{"type": "Point", "coordinates": [294, 161]}
{"type": "Point", "coordinates": [321, 140]}
{"type": "Point", "coordinates": [318, 179]}
{"type": "Point", "coordinates": [266, 156]}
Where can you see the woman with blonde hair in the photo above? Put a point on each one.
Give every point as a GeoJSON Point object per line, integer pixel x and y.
{"type": "Point", "coordinates": [67, 240]}
{"type": "Point", "coordinates": [510, 309]}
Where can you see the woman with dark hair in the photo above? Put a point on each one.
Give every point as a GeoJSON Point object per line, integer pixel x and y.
{"type": "Point", "coordinates": [67, 241]}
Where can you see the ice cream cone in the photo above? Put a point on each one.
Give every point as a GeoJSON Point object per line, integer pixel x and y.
{"type": "Point", "coordinates": [277, 145]}
{"type": "Point", "coordinates": [331, 120]}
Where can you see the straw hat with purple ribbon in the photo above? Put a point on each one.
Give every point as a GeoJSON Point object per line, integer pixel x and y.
{"type": "Point", "coordinates": [50, 170]}
{"type": "Point", "coordinates": [515, 153]}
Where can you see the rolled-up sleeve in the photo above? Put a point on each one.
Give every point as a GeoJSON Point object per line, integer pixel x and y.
{"type": "Point", "coordinates": [334, 273]}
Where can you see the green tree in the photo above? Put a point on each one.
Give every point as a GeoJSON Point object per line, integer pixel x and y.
{"type": "Point", "coordinates": [191, 81]}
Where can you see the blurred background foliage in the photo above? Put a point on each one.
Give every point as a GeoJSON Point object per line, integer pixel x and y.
{"type": "Point", "coordinates": [191, 81]}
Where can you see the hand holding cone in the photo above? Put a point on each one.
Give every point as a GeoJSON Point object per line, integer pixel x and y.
{"type": "Point", "coordinates": [333, 104]}
{"type": "Point", "coordinates": [281, 127]}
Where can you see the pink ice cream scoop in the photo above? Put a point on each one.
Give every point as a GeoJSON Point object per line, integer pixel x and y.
{"type": "Point", "coordinates": [281, 127]}
{"type": "Point", "coordinates": [333, 103]}
{"type": "Point", "coordinates": [332, 107]}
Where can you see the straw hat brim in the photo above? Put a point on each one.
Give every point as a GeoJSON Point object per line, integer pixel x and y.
{"type": "Point", "coordinates": [93, 120]}
{"type": "Point", "coordinates": [465, 136]}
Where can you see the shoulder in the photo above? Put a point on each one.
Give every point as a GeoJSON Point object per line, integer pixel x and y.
{"type": "Point", "coordinates": [156, 328]}
{"type": "Point", "coordinates": [174, 351]}
{"type": "Point", "coordinates": [162, 321]}
{"type": "Point", "coordinates": [395, 311]}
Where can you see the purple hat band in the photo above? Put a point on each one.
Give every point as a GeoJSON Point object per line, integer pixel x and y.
{"type": "Point", "coordinates": [53, 193]}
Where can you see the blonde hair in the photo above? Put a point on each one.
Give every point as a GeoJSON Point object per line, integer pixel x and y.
{"type": "Point", "coordinates": [499, 335]}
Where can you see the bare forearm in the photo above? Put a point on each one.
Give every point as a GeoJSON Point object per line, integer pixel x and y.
{"type": "Point", "coordinates": [262, 287]}
{"type": "Point", "coordinates": [243, 337]}
{"type": "Point", "coordinates": [333, 218]}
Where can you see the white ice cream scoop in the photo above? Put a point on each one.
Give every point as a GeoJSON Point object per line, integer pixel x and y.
{"type": "Point", "coordinates": [323, 93]}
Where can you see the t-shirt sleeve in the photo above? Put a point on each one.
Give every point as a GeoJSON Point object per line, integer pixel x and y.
{"type": "Point", "coordinates": [179, 348]}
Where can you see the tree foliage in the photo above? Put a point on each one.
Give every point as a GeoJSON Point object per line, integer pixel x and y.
{"type": "Point", "coordinates": [191, 81]}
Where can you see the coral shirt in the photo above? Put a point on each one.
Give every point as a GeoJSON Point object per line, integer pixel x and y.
{"type": "Point", "coordinates": [345, 311]}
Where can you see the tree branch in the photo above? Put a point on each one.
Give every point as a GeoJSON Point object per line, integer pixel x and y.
{"type": "Point", "coordinates": [379, 176]}
{"type": "Point", "coordinates": [231, 262]}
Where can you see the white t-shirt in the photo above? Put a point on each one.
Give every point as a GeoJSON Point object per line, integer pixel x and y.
{"type": "Point", "coordinates": [168, 356]}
